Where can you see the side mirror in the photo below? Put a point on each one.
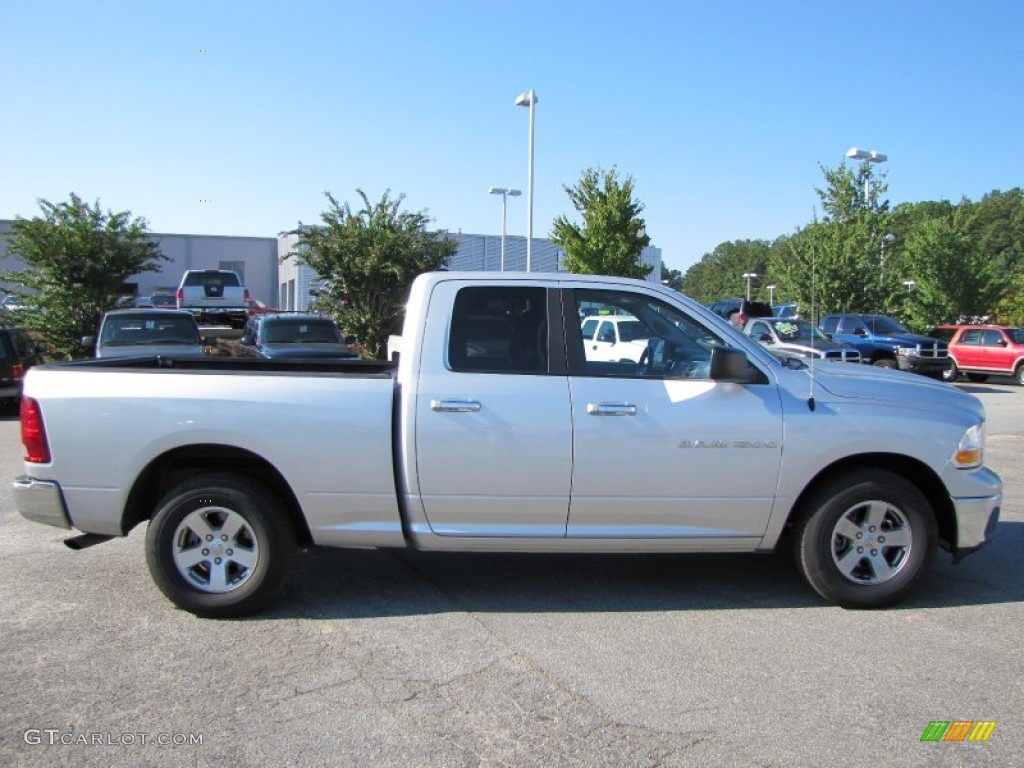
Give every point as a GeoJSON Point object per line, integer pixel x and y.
{"type": "Point", "coordinates": [88, 342]}
{"type": "Point", "coordinates": [1001, 342]}
{"type": "Point", "coordinates": [859, 332]}
{"type": "Point", "coordinates": [765, 337]}
{"type": "Point", "coordinates": [350, 339]}
{"type": "Point", "coordinates": [828, 336]}
{"type": "Point", "coordinates": [729, 364]}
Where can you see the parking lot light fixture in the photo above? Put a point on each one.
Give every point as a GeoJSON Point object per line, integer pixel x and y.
{"type": "Point", "coordinates": [505, 194]}
{"type": "Point", "coordinates": [870, 156]}
{"type": "Point", "coordinates": [748, 276]}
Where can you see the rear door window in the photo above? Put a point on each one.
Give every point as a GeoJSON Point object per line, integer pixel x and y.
{"type": "Point", "coordinates": [499, 329]}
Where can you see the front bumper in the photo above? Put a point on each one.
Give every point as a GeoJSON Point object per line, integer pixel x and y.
{"type": "Point", "coordinates": [977, 514]}
{"type": "Point", "coordinates": [40, 501]}
{"type": "Point", "coordinates": [928, 366]}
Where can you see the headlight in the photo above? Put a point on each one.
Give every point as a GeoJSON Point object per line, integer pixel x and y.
{"type": "Point", "coordinates": [906, 351]}
{"type": "Point", "coordinates": [971, 448]}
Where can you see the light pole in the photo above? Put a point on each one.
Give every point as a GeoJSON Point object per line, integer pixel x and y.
{"type": "Point", "coordinates": [887, 238]}
{"type": "Point", "coordinates": [529, 99]}
{"type": "Point", "coordinates": [748, 276]}
{"type": "Point", "coordinates": [872, 157]}
{"type": "Point", "coordinates": [909, 285]}
{"type": "Point", "coordinates": [771, 294]}
{"type": "Point", "coordinates": [505, 193]}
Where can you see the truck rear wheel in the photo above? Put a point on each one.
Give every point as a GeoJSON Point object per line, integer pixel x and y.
{"type": "Point", "coordinates": [220, 545]}
{"type": "Point", "coordinates": [865, 539]}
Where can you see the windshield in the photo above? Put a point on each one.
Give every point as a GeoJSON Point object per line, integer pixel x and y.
{"type": "Point", "coordinates": [882, 325]}
{"type": "Point", "coordinates": [1016, 335]}
{"type": "Point", "coordinates": [797, 331]}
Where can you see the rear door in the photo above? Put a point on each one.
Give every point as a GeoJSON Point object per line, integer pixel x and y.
{"type": "Point", "coordinates": [994, 352]}
{"type": "Point", "coordinates": [493, 427]}
{"type": "Point", "coordinates": [661, 450]}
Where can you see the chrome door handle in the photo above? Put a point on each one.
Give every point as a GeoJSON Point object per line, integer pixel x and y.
{"type": "Point", "coordinates": [455, 406]}
{"type": "Point", "coordinates": [611, 409]}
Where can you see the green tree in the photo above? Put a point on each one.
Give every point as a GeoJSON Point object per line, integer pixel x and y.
{"type": "Point", "coordinates": [611, 237]}
{"type": "Point", "coordinates": [673, 278]}
{"type": "Point", "coordinates": [940, 253]}
{"type": "Point", "coordinates": [367, 260]}
{"type": "Point", "coordinates": [945, 277]}
{"type": "Point", "coordinates": [999, 224]}
{"type": "Point", "coordinates": [77, 260]}
{"type": "Point", "coordinates": [842, 261]}
{"type": "Point", "coordinates": [1010, 307]}
{"type": "Point", "coordinates": [799, 275]}
{"type": "Point", "coordinates": [719, 274]}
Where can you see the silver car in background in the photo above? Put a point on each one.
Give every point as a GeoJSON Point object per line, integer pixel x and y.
{"type": "Point", "coordinates": [799, 338]}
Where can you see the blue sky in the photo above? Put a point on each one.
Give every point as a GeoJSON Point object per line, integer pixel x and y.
{"type": "Point", "coordinates": [720, 111]}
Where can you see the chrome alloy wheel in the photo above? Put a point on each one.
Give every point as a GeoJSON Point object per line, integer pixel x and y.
{"type": "Point", "coordinates": [871, 542]}
{"type": "Point", "coordinates": [215, 549]}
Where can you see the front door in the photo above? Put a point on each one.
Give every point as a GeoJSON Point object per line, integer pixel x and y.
{"type": "Point", "coordinates": [661, 450]}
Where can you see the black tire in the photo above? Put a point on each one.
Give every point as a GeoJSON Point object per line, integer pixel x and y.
{"type": "Point", "coordinates": [253, 545]}
{"type": "Point", "coordinates": [885, 362]}
{"type": "Point", "coordinates": [977, 378]}
{"type": "Point", "coordinates": [951, 374]}
{"type": "Point", "coordinates": [840, 539]}
{"type": "Point", "coordinates": [1018, 375]}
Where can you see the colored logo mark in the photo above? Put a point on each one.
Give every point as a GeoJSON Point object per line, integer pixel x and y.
{"type": "Point", "coordinates": [958, 730]}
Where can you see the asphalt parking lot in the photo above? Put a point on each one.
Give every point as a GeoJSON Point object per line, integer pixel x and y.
{"type": "Point", "coordinates": [393, 658]}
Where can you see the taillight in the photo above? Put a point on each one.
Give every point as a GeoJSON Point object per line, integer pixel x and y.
{"type": "Point", "coordinates": [246, 294]}
{"type": "Point", "coordinates": [180, 296]}
{"type": "Point", "coordinates": [18, 370]}
{"type": "Point", "coordinates": [33, 433]}
{"type": "Point", "coordinates": [743, 320]}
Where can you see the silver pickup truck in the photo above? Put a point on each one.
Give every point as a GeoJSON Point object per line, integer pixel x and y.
{"type": "Point", "coordinates": [496, 431]}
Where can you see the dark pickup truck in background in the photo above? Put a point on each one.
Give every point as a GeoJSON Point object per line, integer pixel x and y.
{"type": "Point", "coordinates": [887, 343]}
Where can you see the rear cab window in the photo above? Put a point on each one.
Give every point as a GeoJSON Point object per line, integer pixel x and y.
{"type": "Point", "coordinates": [499, 329]}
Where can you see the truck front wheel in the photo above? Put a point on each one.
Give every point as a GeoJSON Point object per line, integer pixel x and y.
{"type": "Point", "coordinates": [865, 538]}
{"type": "Point", "coordinates": [220, 545]}
{"type": "Point", "coordinates": [885, 362]}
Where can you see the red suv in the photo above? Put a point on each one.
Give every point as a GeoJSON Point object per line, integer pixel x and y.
{"type": "Point", "coordinates": [984, 350]}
